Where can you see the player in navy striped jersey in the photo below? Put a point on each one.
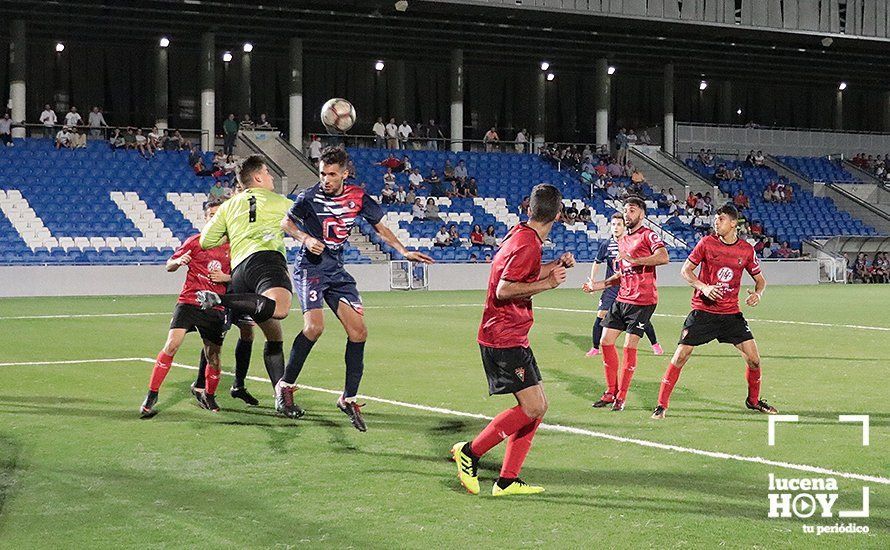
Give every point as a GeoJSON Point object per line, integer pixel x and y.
{"type": "Point", "coordinates": [321, 219]}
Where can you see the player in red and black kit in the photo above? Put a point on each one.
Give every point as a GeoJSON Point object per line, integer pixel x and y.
{"type": "Point", "coordinates": [510, 366]}
{"type": "Point", "coordinates": [188, 315]}
{"type": "Point", "coordinates": [715, 306]}
{"type": "Point", "coordinates": [640, 250]}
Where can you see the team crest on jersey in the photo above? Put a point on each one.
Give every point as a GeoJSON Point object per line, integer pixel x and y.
{"type": "Point", "coordinates": [740, 261]}
{"type": "Point", "coordinates": [214, 265]}
{"type": "Point", "coordinates": [724, 274]}
{"type": "Point", "coordinates": [351, 204]}
{"type": "Point", "coordinates": [520, 373]}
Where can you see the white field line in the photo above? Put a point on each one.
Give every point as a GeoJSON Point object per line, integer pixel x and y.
{"type": "Point", "coordinates": [440, 306]}
{"type": "Point", "coordinates": [550, 427]}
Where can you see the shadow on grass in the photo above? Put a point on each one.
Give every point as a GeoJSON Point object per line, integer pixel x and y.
{"type": "Point", "coordinates": [11, 465]}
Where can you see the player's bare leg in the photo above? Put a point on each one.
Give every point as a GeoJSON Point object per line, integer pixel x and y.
{"type": "Point", "coordinates": [751, 354]}
{"type": "Point", "coordinates": [313, 328]}
{"type": "Point", "coordinates": [211, 375]}
{"type": "Point", "coordinates": [597, 334]}
{"type": "Point", "coordinates": [283, 298]}
{"type": "Point", "coordinates": [610, 367]}
{"type": "Point", "coordinates": [356, 333]}
{"type": "Point", "coordinates": [160, 370]}
{"type": "Point", "coordinates": [631, 341]}
{"type": "Point", "coordinates": [671, 375]}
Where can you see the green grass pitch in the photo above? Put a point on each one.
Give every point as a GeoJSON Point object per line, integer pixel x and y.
{"type": "Point", "coordinates": [78, 469]}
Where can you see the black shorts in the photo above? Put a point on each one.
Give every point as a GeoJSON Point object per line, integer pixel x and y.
{"type": "Point", "coordinates": [701, 327]}
{"type": "Point", "coordinates": [260, 272]}
{"type": "Point", "coordinates": [210, 324]}
{"type": "Point", "coordinates": [509, 369]}
{"type": "Point", "coordinates": [628, 318]}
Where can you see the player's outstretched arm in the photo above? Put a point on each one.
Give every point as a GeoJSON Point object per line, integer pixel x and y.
{"type": "Point", "coordinates": [312, 244]}
{"type": "Point", "coordinates": [597, 286]}
{"type": "Point", "coordinates": [756, 295]}
{"type": "Point", "coordinates": [510, 290]}
{"type": "Point", "coordinates": [688, 274]}
{"type": "Point", "coordinates": [387, 235]}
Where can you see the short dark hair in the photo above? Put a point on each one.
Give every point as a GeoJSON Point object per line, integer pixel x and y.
{"type": "Point", "coordinates": [636, 201]}
{"type": "Point", "coordinates": [334, 155]}
{"type": "Point", "coordinates": [730, 210]}
{"type": "Point", "coordinates": [618, 216]}
{"type": "Point", "coordinates": [249, 168]}
{"type": "Point", "coordinates": [213, 203]}
{"type": "Point", "coordinates": [545, 203]}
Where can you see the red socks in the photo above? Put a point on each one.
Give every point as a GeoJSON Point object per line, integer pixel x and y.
{"type": "Point", "coordinates": [610, 367]}
{"type": "Point", "coordinates": [211, 379]}
{"type": "Point", "coordinates": [162, 367]}
{"type": "Point", "coordinates": [500, 428]}
{"type": "Point", "coordinates": [517, 449]}
{"type": "Point", "coordinates": [667, 385]}
{"type": "Point", "coordinates": [630, 364]}
{"type": "Point", "coordinates": [753, 378]}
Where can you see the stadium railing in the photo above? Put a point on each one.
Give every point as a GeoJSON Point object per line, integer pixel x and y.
{"type": "Point", "coordinates": [33, 130]}
{"type": "Point", "coordinates": [365, 141]}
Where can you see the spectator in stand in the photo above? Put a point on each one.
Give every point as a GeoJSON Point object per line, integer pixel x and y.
{"type": "Point", "coordinates": [388, 194]}
{"type": "Point", "coordinates": [217, 191]}
{"type": "Point", "coordinates": [230, 165]}
{"type": "Point", "coordinates": [637, 178]}
{"type": "Point", "coordinates": [433, 134]}
{"type": "Point", "coordinates": [443, 238]}
{"type": "Point", "coordinates": [263, 123]}
{"type": "Point", "coordinates": [315, 149]}
{"type": "Point", "coordinates": [460, 171]}
{"type": "Point", "coordinates": [737, 173]}
{"type": "Point", "coordinates": [860, 269]}
{"type": "Point", "coordinates": [631, 138]}
{"type": "Point", "coordinates": [756, 228]}
{"type": "Point", "coordinates": [392, 163]}
{"type": "Point", "coordinates": [722, 174]}
{"type": "Point", "coordinates": [48, 119]}
{"type": "Point", "coordinates": [761, 245]}
{"type": "Point", "coordinates": [410, 196]}
{"type": "Point", "coordinates": [379, 133]}
{"type": "Point", "coordinates": [759, 159]}
{"type": "Point", "coordinates": [116, 141]}
{"type": "Point", "coordinates": [644, 138]}
{"type": "Point", "coordinates": [143, 145]}
{"type": "Point", "coordinates": [621, 145]}
{"type": "Point", "coordinates": [477, 238]}
{"type": "Point", "coordinates": [230, 134]}
{"type": "Point", "coordinates": [129, 139]}
{"type": "Point", "coordinates": [474, 259]}
{"type": "Point", "coordinates": [78, 138]}
{"type": "Point", "coordinates": [571, 214]}
{"type": "Point", "coordinates": [392, 134]}
{"type": "Point", "coordinates": [488, 258]}
{"type": "Point", "coordinates": [401, 196]}
{"type": "Point", "coordinates": [674, 208]}
{"type": "Point", "coordinates": [702, 157]}
{"type": "Point", "coordinates": [710, 158]}
{"type": "Point", "coordinates": [670, 197]}
{"type": "Point", "coordinates": [154, 139]}
{"type": "Point", "coordinates": [432, 210]}
{"type": "Point", "coordinates": [454, 236]}
{"type": "Point", "coordinates": [524, 206]}
{"type": "Point", "coordinates": [435, 183]}
{"type": "Point", "coordinates": [6, 130]}
{"type": "Point", "coordinates": [73, 118]}
{"type": "Point", "coordinates": [788, 193]}
{"type": "Point", "coordinates": [405, 133]}
{"type": "Point", "coordinates": [584, 215]}
{"type": "Point", "coordinates": [613, 169]}
{"type": "Point", "coordinates": [246, 123]}
{"type": "Point", "coordinates": [406, 164]}
{"type": "Point", "coordinates": [455, 190]}
{"type": "Point", "coordinates": [690, 203]}
{"type": "Point", "coordinates": [740, 200]}
{"type": "Point", "coordinates": [389, 178]}
{"type": "Point", "coordinates": [448, 171]}
{"type": "Point", "coordinates": [785, 251]}
{"type": "Point", "coordinates": [472, 189]}
{"type": "Point", "coordinates": [521, 141]}
{"type": "Point", "coordinates": [96, 121]}
{"type": "Point", "coordinates": [749, 160]}
{"type": "Point", "coordinates": [880, 268]}
{"type": "Point", "coordinates": [491, 139]}
{"type": "Point", "coordinates": [490, 239]}
{"type": "Point", "coordinates": [415, 180]}
{"type": "Point", "coordinates": [418, 212]}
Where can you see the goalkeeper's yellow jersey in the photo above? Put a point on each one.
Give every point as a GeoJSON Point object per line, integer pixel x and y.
{"type": "Point", "coordinates": [251, 220]}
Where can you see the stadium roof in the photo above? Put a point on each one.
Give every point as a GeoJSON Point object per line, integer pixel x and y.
{"type": "Point", "coordinates": [429, 30]}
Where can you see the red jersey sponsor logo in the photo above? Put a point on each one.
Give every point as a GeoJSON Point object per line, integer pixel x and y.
{"type": "Point", "coordinates": [506, 323]}
{"type": "Point", "coordinates": [721, 265]}
{"type": "Point", "coordinates": [638, 285]}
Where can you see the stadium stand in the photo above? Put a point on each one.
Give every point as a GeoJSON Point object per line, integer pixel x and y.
{"type": "Point", "coordinates": [807, 216]}
{"type": "Point", "coordinates": [819, 169]}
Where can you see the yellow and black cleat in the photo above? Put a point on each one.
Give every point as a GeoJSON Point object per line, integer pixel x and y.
{"type": "Point", "coordinates": [518, 487]}
{"type": "Point", "coordinates": [467, 468]}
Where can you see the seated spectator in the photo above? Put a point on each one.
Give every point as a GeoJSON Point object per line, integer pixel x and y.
{"type": "Point", "coordinates": [761, 246]}
{"type": "Point", "coordinates": [477, 238]}
{"type": "Point", "coordinates": [218, 191]}
{"type": "Point", "coordinates": [432, 210]}
{"type": "Point", "coordinates": [406, 164]}
{"type": "Point", "coordinates": [263, 123]}
{"type": "Point", "coordinates": [637, 178]}
{"type": "Point", "coordinates": [702, 157]}
{"type": "Point", "coordinates": [488, 258]}
{"type": "Point", "coordinates": [584, 214]}
{"type": "Point", "coordinates": [880, 268]}
{"type": "Point", "coordinates": [116, 141]}
{"type": "Point", "coordinates": [454, 190]}
{"type": "Point", "coordinates": [129, 139]}
{"type": "Point", "coordinates": [709, 158]}
{"type": "Point", "coordinates": [230, 165]}
{"type": "Point", "coordinates": [401, 196]}
{"type": "Point", "coordinates": [415, 180]}
{"type": "Point", "coordinates": [460, 171]}
{"type": "Point", "coordinates": [491, 139]}
{"type": "Point", "coordinates": [392, 163]}
{"type": "Point", "coordinates": [740, 200]}
{"type": "Point", "coordinates": [443, 238]}
{"type": "Point", "coordinates": [749, 160]}
{"type": "Point", "coordinates": [690, 203]}
{"type": "Point", "coordinates": [644, 138]}
{"type": "Point", "coordinates": [142, 145]}
{"type": "Point", "coordinates": [166, 141]}
{"type": "Point", "coordinates": [436, 187]}
{"type": "Point", "coordinates": [860, 269]}
{"type": "Point", "coordinates": [474, 259]}
{"type": "Point", "coordinates": [571, 214]}
{"type": "Point", "coordinates": [674, 208]}
{"type": "Point", "coordinates": [489, 239]}
{"type": "Point", "coordinates": [613, 169]}
{"type": "Point", "coordinates": [756, 228]}
{"type": "Point", "coordinates": [448, 171]}
{"type": "Point", "coordinates": [524, 206]}
{"type": "Point", "coordinates": [418, 212]}
{"type": "Point", "coordinates": [63, 139]}
{"type": "Point", "coordinates": [455, 236]}
{"type": "Point", "coordinates": [175, 141]}
{"type": "Point", "coordinates": [722, 174]}
{"type": "Point", "coordinates": [389, 178]}
{"type": "Point", "coordinates": [785, 251]}
{"type": "Point", "coordinates": [410, 196]}
{"type": "Point", "coordinates": [78, 138]}
{"type": "Point", "coordinates": [737, 173]}
{"type": "Point", "coordinates": [6, 130]}
{"type": "Point", "coordinates": [154, 139]}
{"type": "Point", "coordinates": [759, 159]}
{"type": "Point", "coordinates": [472, 189]}
{"type": "Point", "coordinates": [388, 193]}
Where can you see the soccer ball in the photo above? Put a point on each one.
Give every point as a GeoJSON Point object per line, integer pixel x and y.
{"type": "Point", "coordinates": [337, 115]}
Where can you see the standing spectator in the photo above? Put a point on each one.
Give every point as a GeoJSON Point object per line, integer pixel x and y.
{"type": "Point", "coordinates": [315, 150]}
{"type": "Point", "coordinates": [521, 140]}
{"type": "Point", "coordinates": [418, 212]}
{"type": "Point", "coordinates": [230, 133]}
{"type": "Point", "coordinates": [263, 123]}
{"type": "Point", "coordinates": [631, 138]}
{"type": "Point", "coordinates": [379, 133]}
{"type": "Point", "coordinates": [73, 118]}
{"type": "Point", "coordinates": [392, 134]}
{"type": "Point", "coordinates": [491, 139]}
{"type": "Point", "coordinates": [433, 135]}
{"type": "Point", "coordinates": [489, 239]}
{"type": "Point", "coordinates": [96, 121]}
{"type": "Point", "coordinates": [477, 238]}
{"type": "Point", "coordinates": [6, 130]}
{"type": "Point", "coordinates": [405, 133]}
{"type": "Point", "coordinates": [621, 145]}
{"type": "Point", "coordinates": [48, 119]}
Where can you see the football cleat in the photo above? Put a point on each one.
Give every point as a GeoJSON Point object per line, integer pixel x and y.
{"type": "Point", "coordinates": [207, 299]}
{"type": "Point", "coordinates": [354, 411]}
{"type": "Point", "coordinates": [284, 402]}
{"type": "Point", "coordinates": [592, 352]}
{"type": "Point", "coordinates": [148, 406]}
{"type": "Point", "coordinates": [467, 468]}
{"type": "Point", "coordinates": [606, 399]}
{"type": "Point", "coordinates": [761, 406]}
{"type": "Point", "coordinates": [618, 405]}
{"type": "Point", "coordinates": [198, 394]}
{"type": "Point", "coordinates": [658, 413]}
{"type": "Point", "coordinates": [210, 402]}
{"type": "Point", "coordinates": [518, 487]}
{"type": "Point", "coordinates": [244, 395]}
{"type": "Point", "coordinates": [656, 349]}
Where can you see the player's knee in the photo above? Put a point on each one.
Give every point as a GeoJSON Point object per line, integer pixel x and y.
{"type": "Point", "coordinates": [171, 347]}
{"type": "Point", "coordinates": [535, 410]}
{"type": "Point", "coordinates": [313, 331]}
{"type": "Point", "coordinates": [358, 334]}
{"type": "Point", "coordinates": [753, 362]}
{"type": "Point", "coordinates": [247, 334]}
